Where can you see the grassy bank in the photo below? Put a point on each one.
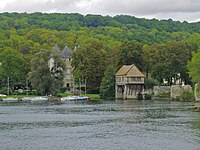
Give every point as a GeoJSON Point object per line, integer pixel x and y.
{"type": "Point", "coordinates": [19, 96]}
{"type": "Point", "coordinates": [92, 96]}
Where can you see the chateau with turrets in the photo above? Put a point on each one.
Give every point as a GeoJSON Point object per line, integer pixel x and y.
{"type": "Point", "coordinates": [66, 55]}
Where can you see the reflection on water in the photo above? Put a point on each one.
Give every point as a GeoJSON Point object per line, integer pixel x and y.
{"type": "Point", "coordinates": [113, 125]}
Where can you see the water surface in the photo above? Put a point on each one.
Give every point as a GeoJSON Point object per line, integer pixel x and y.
{"type": "Point", "coordinates": [117, 125]}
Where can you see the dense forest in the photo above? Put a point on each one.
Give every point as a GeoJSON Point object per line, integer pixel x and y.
{"type": "Point", "coordinates": [160, 48]}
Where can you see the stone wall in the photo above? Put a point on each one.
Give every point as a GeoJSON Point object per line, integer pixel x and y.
{"type": "Point", "coordinates": [157, 90]}
{"type": "Point", "coordinates": [177, 90]}
{"type": "Point", "coordinates": [197, 92]}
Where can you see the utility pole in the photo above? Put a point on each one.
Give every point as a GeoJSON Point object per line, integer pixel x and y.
{"type": "Point", "coordinates": [80, 85]}
{"type": "Point", "coordinates": [26, 87]}
{"type": "Point", "coordinates": [8, 86]}
{"type": "Point", "coordinates": [73, 90]}
{"type": "Point", "coordinates": [85, 86]}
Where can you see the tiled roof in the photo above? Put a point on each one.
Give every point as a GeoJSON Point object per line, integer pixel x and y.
{"type": "Point", "coordinates": [56, 48]}
{"type": "Point", "coordinates": [66, 53]}
{"type": "Point", "coordinates": [129, 70]}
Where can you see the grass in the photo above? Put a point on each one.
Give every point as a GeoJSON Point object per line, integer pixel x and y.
{"type": "Point", "coordinates": [19, 96]}
{"type": "Point", "coordinates": [164, 95]}
{"type": "Point", "coordinates": [92, 96]}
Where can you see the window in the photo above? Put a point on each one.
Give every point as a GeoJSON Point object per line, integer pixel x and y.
{"type": "Point", "coordinates": [136, 79]}
{"type": "Point", "coordinates": [67, 85]}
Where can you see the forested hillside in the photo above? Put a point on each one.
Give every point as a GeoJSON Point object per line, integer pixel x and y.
{"type": "Point", "coordinates": [160, 48]}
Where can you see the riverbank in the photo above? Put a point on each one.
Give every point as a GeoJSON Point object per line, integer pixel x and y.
{"type": "Point", "coordinates": [17, 98]}
{"type": "Point", "coordinates": [197, 107]}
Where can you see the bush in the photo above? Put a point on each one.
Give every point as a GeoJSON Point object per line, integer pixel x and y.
{"type": "Point", "coordinates": [164, 95]}
{"type": "Point", "coordinates": [139, 96]}
{"type": "Point", "coordinates": [64, 89]}
{"type": "Point", "coordinates": [62, 94]}
{"type": "Point", "coordinates": [186, 96]}
{"type": "Point", "coordinates": [24, 92]}
{"type": "Point", "coordinates": [150, 83]}
{"type": "Point", "coordinates": [3, 91]}
{"type": "Point", "coordinates": [147, 96]}
{"type": "Point", "coordinates": [107, 88]}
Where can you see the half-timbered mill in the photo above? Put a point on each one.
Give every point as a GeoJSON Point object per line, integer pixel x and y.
{"type": "Point", "coordinates": [129, 82]}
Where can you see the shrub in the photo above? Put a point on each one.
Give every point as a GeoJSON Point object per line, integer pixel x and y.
{"type": "Point", "coordinates": [64, 89]}
{"type": "Point", "coordinates": [164, 95]}
{"type": "Point", "coordinates": [147, 96]}
{"type": "Point", "coordinates": [107, 88]}
{"type": "Point", "coordinates": [150, 83]}
{"type": "Point", "coordinates": [186, 96]}
{"type": "Point", "coordinates": [3, 90]}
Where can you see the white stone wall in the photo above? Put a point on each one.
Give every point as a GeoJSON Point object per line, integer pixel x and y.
{"type": "Point", "coordinates": [157, 90]}
{"type": "Point", "coordinates": [177, 90]}
{"type": "Point", "coordinates": [197, 92]}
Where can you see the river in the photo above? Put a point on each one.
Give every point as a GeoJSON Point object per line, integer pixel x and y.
{"type": "Point", "coordinates": [100, 125]}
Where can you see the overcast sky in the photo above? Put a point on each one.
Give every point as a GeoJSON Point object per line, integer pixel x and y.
{"type": "Point", "coordinates": [188, 10]}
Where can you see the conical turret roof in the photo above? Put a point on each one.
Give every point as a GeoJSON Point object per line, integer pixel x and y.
{"type": "Point", "coordinates": [56, 48]}
{"type": "Point", "coordinates": [66, 53]}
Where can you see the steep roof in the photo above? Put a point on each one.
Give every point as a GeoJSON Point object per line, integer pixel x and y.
{"type": "Point", "coordinates": [56, 48]}
{"type": "Point", "coordinates": [66, 53]}
{"type": "Point", "coordinates": [129, 70]}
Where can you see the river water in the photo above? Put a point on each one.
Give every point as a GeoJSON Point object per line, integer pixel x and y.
{"type": "Point", "coordinates": [113, 125]}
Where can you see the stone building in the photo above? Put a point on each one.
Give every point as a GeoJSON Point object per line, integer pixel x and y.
{"type": "Point", "coordinates": [65, 54]}
{"type": "Point", "coordinates": [129, 82]}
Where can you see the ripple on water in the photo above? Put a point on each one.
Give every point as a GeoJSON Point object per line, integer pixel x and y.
{"type": "Point", "coordinates": [102, 125]}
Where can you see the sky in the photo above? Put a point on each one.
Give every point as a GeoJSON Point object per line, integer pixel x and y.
{"type": "Point", "coordinates": [179, 10]}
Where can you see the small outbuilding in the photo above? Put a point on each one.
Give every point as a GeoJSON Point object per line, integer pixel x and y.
{"type": "Point", "coordinates": [129, 82]}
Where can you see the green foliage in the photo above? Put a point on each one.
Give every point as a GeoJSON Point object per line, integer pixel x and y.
{"type": "Point", "coordinates": [62, 94]}
{"type": "Point", "coordinates": [13, 65]}
{"type": "Point", "coordinates": [44, 80]}
{"type": "Point", "coordinates": [24, 92]}
{"type": "Point", "coordinates": [150, 83]}
{"type": "Point", "coordinates": [164, 95]}
{"type": "Point", "coordinates": [194, 67]}
{"type": "Point", "coordinates": [139, 96]}
{"type": "Point", "coordinates": [90, 62]}
{"type": "Point", "coordinates": [63, 89]}
{"type": "Point", "coordinates": [130, 53]}
{"type": "Point", "coordinates": [4, 90]}
{"type": "Point", "coordinates": [93, 96]}
{"type": "Point", "coordinates": [168, 60]}
{"type": "Point", "coordinates": [160, 48]}
{"type": "Point", "coordinates": [147, 96]}
{"type": "Point", "coordinates": [186, 96]}
{"type": "Point", "coordinates": [107, 88]}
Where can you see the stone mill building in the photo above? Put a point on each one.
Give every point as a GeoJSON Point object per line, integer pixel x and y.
{"type": "Point", "coordinates": [129, 82]}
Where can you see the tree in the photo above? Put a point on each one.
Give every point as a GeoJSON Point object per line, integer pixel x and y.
{"type": "Point", "coordinates": [13, 65]}
{"type": "Point", "coordinates": [131, 53]}
{"type": "Point", "coordinates": [107, 88]}
{"type": "Point", "coordinates": [89, 62]}
{"type": "Point", "coordinates": [168, 60]}
{"type": "Point", "coordinates": [194, 67]}
{"type": "Point", "coordinates": [46, 80]}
